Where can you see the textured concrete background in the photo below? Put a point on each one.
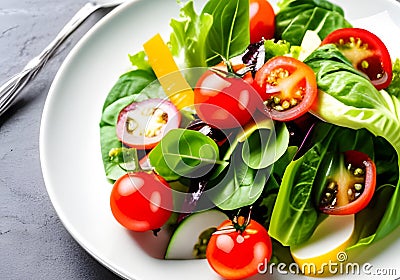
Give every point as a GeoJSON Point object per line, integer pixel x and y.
{"type": "Point", "coordinates": [33, 242]}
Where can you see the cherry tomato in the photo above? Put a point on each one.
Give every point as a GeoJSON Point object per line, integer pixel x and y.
{"type": "Point", "coordinates": [262, 20]}
{"type": "Point", "coordinates": [237, 254]}
{"type": "Point", "coordinates": [141, 201]}
{"type": "Point", "coordinates": [141, 125]}
{"type": "Point", "coordinates": [351, 186]}
{"type": "Point", "coordinates": [366, 52]}
{"type": "Point", "coordinates": [224, 100]}
{"type": "Point", "coordinates": [287, 86]}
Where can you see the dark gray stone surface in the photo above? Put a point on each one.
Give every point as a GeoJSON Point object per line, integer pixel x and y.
{"type": "Point", "coordinates": [33, 242]}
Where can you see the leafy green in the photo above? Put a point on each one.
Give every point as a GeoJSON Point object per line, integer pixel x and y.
{"type": "Point", "coordinates": [251, 157]}
{"type": "Point", "coordinates": [394, 87]}
{"type": "Point", "coordinates": [219, 32]}
{"type": "Point", "coordinates": [348, 99]}
{"type": "Point", "coordinates": [295, 17]}
{"type": "Point", "coordinates": [367, 221]}
{"type": "Point", "coordinates": [229, 35]}
{"type": "Point", "coordinates": [266, 203]}
{"type": "Point", "coordinates": [183, 152]}
{"type": "Point", "coordinates": [295, 214]}
{"type": "Point", "coordinates": [188, 40]}
{"type": "Point", "coordinates": [139, 61]}
{"type": "Point", "coordinates": [129, 83]}
{"type": "Point", "coordinates": [279, 48]}
{"type": "Point", "coordinates": [238, 185]}
{"type": "Point", "coordinates": [133, 86]}
{"type": "Point", "coordinates": [265, 145]}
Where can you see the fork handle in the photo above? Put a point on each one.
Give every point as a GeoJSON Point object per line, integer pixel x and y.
{"type": "Point", "coordinates": [10, 89]}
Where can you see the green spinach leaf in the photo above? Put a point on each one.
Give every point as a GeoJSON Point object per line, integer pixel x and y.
{"type": "Point", "coordinates": [265, 146]}
{"type": "Point", "coordinates": [129, 83]}
{"type": "Point", "coordinates": [238, 185]}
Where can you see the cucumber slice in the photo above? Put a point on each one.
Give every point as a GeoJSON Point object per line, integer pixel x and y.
{"type": "Point", "coordinates": [191, 231]}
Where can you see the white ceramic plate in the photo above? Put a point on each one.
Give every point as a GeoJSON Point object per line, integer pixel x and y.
{"type": "Point", "coordinates": [70, 145]}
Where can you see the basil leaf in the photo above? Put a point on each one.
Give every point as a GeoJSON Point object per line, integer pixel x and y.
{"type": "Point", "coordinates": [183, 152]}
{"type": "Point", "coordinates": [229, 35]}
{"type": "Point", "coordinates": [297, 16]}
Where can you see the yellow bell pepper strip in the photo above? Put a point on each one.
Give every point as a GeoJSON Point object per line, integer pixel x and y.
{"type": "Point", "coordinates": [171, 79]}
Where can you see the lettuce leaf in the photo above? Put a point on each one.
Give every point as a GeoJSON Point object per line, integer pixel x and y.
{"type": "Point", "coordinates": [295, 217]}
{"type": "Point", "coordinates": [188, 41]}
{"type": "Point", "coordinates": [346, 98]}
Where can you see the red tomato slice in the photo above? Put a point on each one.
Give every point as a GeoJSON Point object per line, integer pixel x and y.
{"type": "Point", "coordinates": [351, 187]}
{"type": "Point", "coordinates": [262, 20]}
{"type": "Point", "coordinates": [141, 201]}
{"type": "Point", "coordinates": [236, 254]}
{"type": "Point", "coordinates": [224, 100]}
{"type": "Point", "coordinates": [141, 125]}
{"type": "Point", "coordinates": [367, 53]}
{"type": "Point", "coordinates": [287, 86]}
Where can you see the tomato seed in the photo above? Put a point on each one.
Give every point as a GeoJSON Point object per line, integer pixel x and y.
{"type": "Point", "coordinates": [358, 187]}
{"type": "Point", "coordinates": [358, 172]}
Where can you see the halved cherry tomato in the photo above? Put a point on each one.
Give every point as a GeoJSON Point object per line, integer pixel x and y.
{"type": "Point", "coordinates": [224, 100]}
{"type": "Point", "coordinates": [287, 86]}
{"type": "Point", "coordinates": [366, 52]}
{"type": "Point", "coordinates": [262, 20]}
{"type": "Point", "coordinates": [141, 125]}
{"type": "Point", "coordinates": [141, 201]}
{"type": "Point", "coordinates": [237, 253]}
{"type": "Point", "coordinates": [351, 187]}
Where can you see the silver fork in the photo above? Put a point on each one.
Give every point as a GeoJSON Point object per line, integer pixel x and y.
{"type": "Point", "coordinates": [10, 89]}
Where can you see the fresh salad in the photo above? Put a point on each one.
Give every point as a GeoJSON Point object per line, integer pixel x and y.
{"type": "Point", "coordinates": [256, 135]}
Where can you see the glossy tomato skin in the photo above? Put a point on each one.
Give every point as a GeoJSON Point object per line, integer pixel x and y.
{"type": "Point", "coordinates": [262, 20]}
{"type": "Point", "coordinates": [366, 51]}
{"type": "Point", "coordinates": [238, 255]}
{"type": "Point", "coordinates": [289, 81]}
{"type": "Point", "coordinates": [224, 100]}
{"type": "Point", "coordinates": [355, 159]}
{"type": "Point", "coordinates": [141, 201]}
